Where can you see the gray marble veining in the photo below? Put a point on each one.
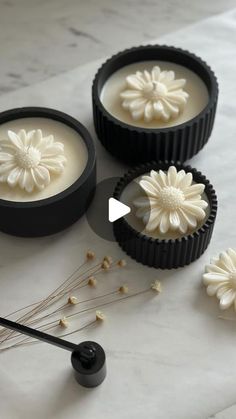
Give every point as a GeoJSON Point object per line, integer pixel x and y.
{"type": "Point", "coordinates": [40, 39]}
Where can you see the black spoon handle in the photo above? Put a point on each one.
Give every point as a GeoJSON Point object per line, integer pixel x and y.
{"type": "Point", "coordinates": [37, 334]}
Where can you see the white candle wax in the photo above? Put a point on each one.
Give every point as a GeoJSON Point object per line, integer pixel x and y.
{"type": "Point", "coordinates": [75, 152]}
{"type": "Point", "coordinates": [116, 83]}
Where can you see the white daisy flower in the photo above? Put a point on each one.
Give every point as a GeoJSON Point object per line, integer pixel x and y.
{"type": "Point", "coordinates": [154, 95]}
{"type": "Point", "coordinates": [171, 202]}
{"type": "Point", "coordinates": [220, 278]}
{"type": "Point", "coordinates": [28, 158]}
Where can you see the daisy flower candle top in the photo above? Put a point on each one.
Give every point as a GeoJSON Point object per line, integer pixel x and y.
{"type": "Point", "coordinates": [170, 202]}
{"type": "Point", "coordinates": [154, 94]}
{"type": "Point", "coordinates": [28, 158]}
{"type": "Point", "coordinates": [39, 158]}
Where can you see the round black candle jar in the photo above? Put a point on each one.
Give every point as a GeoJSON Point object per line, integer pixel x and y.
{"type": "Point", "coordinates": [54, 213]}
{"type": "Point", "coordinates": [164, 253]}
{"type": "Point", "coordinates": [138, 144]}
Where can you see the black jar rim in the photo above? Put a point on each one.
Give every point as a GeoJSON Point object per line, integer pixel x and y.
{"type": "Point", "coordinates": [132, 240]}
{"type": "Point", "coordinates": [48, 113]}
{"type": "Point", "coordinates": [107, 125]}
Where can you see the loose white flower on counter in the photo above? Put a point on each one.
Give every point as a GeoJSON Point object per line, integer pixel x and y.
{"type": "Point", "coordinates": [220, 278]}
{"type": "Point", "coordinates": [28, 158]}
{"type": "Point", "coordinates": [154, 95]}
{"type": "Point", "coordinates": [170, 201]}
{"type": "Point", "coordinates": [156, 286]}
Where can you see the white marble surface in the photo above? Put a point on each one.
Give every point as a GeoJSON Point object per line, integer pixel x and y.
{"type": "Point", "coordinates": [168, 358]}
{"type": "Point", "coordinates": [39, 39]}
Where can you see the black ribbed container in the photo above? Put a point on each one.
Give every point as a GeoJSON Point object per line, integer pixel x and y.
{"type": "Point", "coordinates": [137, 145]}
{"type": "Point", "coordinates": [53, 214]}
{"type": "Point", "coordinates": [171, 253]}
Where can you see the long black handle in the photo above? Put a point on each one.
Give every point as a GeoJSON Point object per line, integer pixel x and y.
{"type": "Point", "coordinates": [37, 334]}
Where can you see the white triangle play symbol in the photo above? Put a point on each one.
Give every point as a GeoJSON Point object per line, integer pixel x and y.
{"type": "Point", "coordinates": [116, 209]}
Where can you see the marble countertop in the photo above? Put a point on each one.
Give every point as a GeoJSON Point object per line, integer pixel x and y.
{"type": "Point", "coordinates": [40, 39]}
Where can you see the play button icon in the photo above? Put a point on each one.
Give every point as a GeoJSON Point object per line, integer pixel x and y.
{"type": "Point", "coordinates": [116, 209]}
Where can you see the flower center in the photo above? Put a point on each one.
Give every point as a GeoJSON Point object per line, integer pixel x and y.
{"type": "Point", "coordinates": [154, 90]}
{"type": "Point", "coordinates": [28, 158]}
{"type": "Point", "coordinates": [232, 277]}
{"type": "Point", "coordinates": [171, 198]}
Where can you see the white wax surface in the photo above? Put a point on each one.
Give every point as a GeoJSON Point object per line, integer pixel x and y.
{"type": "Point", "coordinates": [75, 152]}
{"type": "Point", "coordinates": [133, 191]}
{"type": "Point", "coordinates": [116, 83]}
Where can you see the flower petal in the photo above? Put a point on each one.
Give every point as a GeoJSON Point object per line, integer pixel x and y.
{"type": "Point", "coordinates": [147, 76]}
{"type": "Point", "coordinates": [6, 167]}
{"type": "Point", "coordinates": [13, 177]}
{"type": "Point", "coordinates": [26, 181]}
{"type": "Point", "coordinates": [41, 176]}
{"type": "Point", "coordinates": [137, 113]}
{"type": "Point", "coordinates": [149, 187]}
{"type": "Point", "coordinates": [180, 175]}
{"type": "Point", "coordinates": [198, 212]}
{"type": "Point", "coordinates": [155, 177]}
{"type": "Point", "coordinates": [156, 73]}
{"type": "Point", "coordinates": [199, 203]}
{"type": "Point", "coordinates": [165, 114]}
{"type": "Point", "coordinates": [227, 299]}
{"type": "Point", "coordinates": [158, 108]}
{"type": "Point", "coordinates": [214, 278]}
{"type": "Point", "coordinates": [183, 226]}
{"type": "Point", "coordinates": [126, 103]}
{"type": "Point", "coordinates": [154, 219]}
{"type": "Point", "coordinates": [163, 178]}
{"type": "Point", "coordinates": [170, 75]}
{"type": "Point", "coordinates": [35, 138]}
{"type": "Point", "coordinates": [133, 82]}
{"type": "Point", "coordinates": [212, 289]}
{"type": "Point", "coordinates": [222, 289]}
{"type": "Point", "coordinates": [174, 219]}
{"type": "Point", "coordinates": [148, 112]}
{"type": "Point", "coordinates": [176, 84]}
{"type": "Point", "coordinates": [138, 103]}
{"type": "Point", "coordinates": [193, 190]}
{"type": "Point", "coordinates": [226, 261]}
{"type": "Point", "coordinates": [15, 139]}
{"type": "Point", "coordinates": [186, 181]}
{"type": "Point", "coordinates": [171, 175]}
{"type": "Point", "coordinates": [130, 94]}
{"type": "Point", "coordinates": [23, 136]}
{"type": "Point", "coordinates": [215, 268]}
{"type": "Point", "coordinates": [5, 157]}
{"type": "Point", "coordinates": [54, 165]}
{"type": "Point", "coordinates": [232, 255]}
{"type": "Point", "coordinates": [164, 223]}
{"type": "Point", "coordinates": [189, 218]}
{"type": "Point", "coordinates": [171, 108]}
